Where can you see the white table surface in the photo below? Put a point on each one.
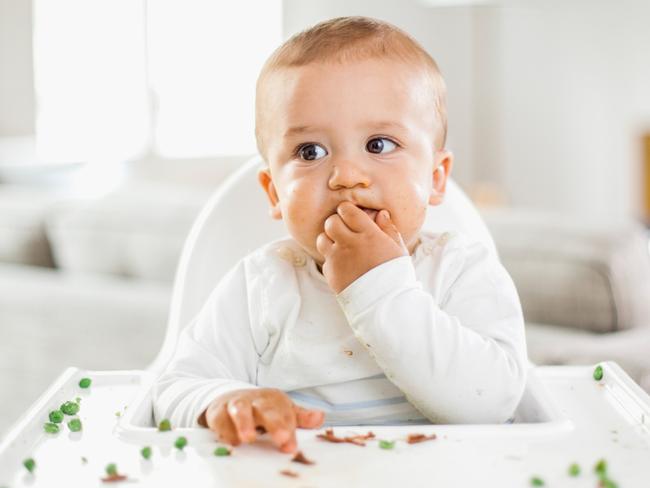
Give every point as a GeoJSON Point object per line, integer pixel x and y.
{"type": "Point", "coordinates": [607, 420]}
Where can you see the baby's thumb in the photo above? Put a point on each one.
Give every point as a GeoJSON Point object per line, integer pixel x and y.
{"type": "Point", "coordinates": [308, 419]}
{"type": "Point", "coordinates": [386, 224]}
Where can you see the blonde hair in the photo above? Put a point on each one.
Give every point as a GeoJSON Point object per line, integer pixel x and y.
{"type": "Point", "coordinates": [349, 39]}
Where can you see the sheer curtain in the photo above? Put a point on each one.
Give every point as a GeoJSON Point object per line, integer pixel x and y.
{"type": "Point", "coordinates": [116, 79]}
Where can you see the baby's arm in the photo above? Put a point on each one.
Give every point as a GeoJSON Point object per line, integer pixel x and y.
{"type": "Point", "coordinates": [210, 381]}
{"type": "Point", "coordinates": [461, 361]}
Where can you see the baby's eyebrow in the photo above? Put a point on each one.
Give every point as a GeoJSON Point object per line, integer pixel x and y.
{"type": "Point", "coordinates": [301, 129]}
{"type": "Point", "coordinates": [386, 125]}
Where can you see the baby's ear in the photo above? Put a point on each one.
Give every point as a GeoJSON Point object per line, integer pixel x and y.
{"type": "Point", "coordinates": [264, 177]}
{"type": "Point", "coordinates": [444, 161]}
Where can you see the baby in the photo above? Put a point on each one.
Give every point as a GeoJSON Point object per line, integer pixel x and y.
{"type": "Point", "coordinates": [360, 317]}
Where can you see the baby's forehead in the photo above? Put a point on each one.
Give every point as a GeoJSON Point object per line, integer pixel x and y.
{"type": "Point", "coordinates": [375, 76]}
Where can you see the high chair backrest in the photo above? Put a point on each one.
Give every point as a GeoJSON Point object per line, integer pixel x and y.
{"type": "Point", "coordinates": [236, 221]}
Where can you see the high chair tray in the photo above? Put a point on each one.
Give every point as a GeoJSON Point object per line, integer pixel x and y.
{"type": "Point", "coordinates": [565, 417]}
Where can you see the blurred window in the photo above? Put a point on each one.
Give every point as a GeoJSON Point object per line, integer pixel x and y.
{"type": "Point", "coordinates": [115, 79]}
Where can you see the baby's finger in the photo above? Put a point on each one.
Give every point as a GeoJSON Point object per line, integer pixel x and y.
{"type": "Point", "coordinates": [241, 414]}
{"type": "Point", "coordinates": [386, 224]}
{"type": "Point", "coordinates": [336, 229]}
{"type": "Point", "coordinates": [279, 427]}
{"type": "Point", "coordinates": [221, 424]}
{"type": "Point", "coordinates": [355, 218]}
{"type": "Point", "coordinates": [324, 244]}
{"type": "Point", "coordinates": [309, 419]}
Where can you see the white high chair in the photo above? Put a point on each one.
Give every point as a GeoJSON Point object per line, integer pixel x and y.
{"type": "Point", "coordinates": [222, 234]}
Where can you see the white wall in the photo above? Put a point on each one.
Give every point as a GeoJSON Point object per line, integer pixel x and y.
{"type": "Point", "coordinates": [16, 75]}
{"type": "Point", "coordinates": [574, 96]}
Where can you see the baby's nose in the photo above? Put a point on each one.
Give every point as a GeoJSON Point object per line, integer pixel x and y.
{"type": "Point", "coordinates": [348, 174]}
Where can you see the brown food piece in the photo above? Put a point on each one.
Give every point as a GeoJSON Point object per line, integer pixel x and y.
{"type": "Point", "coordinates": [415, 438]}
{"type": "Point", "coordinates": [357, 440]}
{"type": "Point", "coordinates": [300, 458]}
{"type": "Point", "coordinates": [289, 473]}
{"type": "Point", "coordinates": [114, 478]}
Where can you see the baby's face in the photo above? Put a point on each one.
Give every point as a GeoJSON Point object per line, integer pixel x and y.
{"type": "Point", "coordinates": [362, 132]}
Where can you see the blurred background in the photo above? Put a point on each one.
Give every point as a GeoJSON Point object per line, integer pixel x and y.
{"type": "Point", "coordinates": [118, 119]}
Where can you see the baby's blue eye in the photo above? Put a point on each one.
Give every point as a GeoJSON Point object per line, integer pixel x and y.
{"type": "Point", "coordinates": [378, 144]}
{"type": "Point", "coordinates": [311, 152]}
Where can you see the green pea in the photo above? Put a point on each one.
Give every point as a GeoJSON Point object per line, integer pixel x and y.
{"type": "Point", "coordinates": [146, 452]}
{"type": "Point", "coordinates": [180, 443]}
{"type": "Point", "coordinates": [70, 408]}
{"type": "Point", "coordinates": [535, 481]}
{"type": "Point", "coordinates": [601, 468]}
{"type": "Point", "coordinates": [56, 416]}
{"type": "Point", "coordinates": [74, 425]}
{"type": "Point", "coordinates": [222, 451]}
{"type": "Point", "coordinates": [386, 444]}
{"type": "Point", "coordinates": [598, 373]}
{"type": "Point", "coordinates": [574, 470]}
{"type": "Point", "coordinates": [111, 469]}
{"type": "Point", "coordinates": [51, 428]}
{"type": "Point", "coordinates": [164, 425]}
{"type": "Point", "coordinates": [29, 464]}
{"type": "Point", "coordinates": [85, 382]}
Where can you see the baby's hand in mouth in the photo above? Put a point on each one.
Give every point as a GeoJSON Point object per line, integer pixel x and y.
{"type": "Point", "coordinates": [362, 243]}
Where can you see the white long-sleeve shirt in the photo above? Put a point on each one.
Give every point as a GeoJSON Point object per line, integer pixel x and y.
{"type": "Point", "coordinates": [437, 336]}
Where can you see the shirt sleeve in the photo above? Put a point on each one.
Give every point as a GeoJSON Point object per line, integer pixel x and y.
{"type": "Point", "coordinates": [462, 360]}
{"type": "Point", "coordinates": [215, 354]}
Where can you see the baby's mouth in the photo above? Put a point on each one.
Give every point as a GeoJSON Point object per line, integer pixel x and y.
{"type": "Point", "coordinates": [370, 212]}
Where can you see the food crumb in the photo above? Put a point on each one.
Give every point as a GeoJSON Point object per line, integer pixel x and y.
{"type": "Point", "coordinates": [386, 444]}
{"type": "Point", "coordinates": [51, 428]}
{"type": "Point", "coordinates": [70, 408]}
{"type": "Point", "coordinates": [145, 452]}
{"type": "Point", "coordinates": [180, 443]}
{"type": "Point", "coordinates": [598, 373]}
{"type": "Point", "coordinates": [222, 451]}
{"type": "Point", "coordinates": [358, 440]}
{"type": "Point", "coordinates": [114, 478]}
{"type": "Point", "coordinates": [300, 458]}
{"type": "Point", "coordinates": [348, 353]}
{"type": "Point", "coordinates": [29, 464]}
{"type": "Point", "coordinates": [289, 473]}
{"type": "Point", "coordinates": [416, 438]}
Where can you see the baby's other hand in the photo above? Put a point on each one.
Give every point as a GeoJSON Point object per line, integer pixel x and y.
{"type": "Point", "coordinates": [235, 417]}
{"type": "Point", "coordinates": [353, 244]}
